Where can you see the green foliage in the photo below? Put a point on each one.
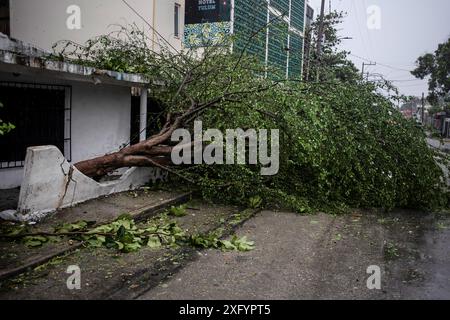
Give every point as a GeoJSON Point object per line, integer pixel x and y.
{"type": "Point", "coordinates": [212, 240]}
{"type": "Point", "coordinates": [35, 241]}
{"type": "Point", "coordinates": [255, 202]}
{"type": "Point", "coordinates": [179, 211]}
{"type": "Point", "coordinates": [437, 67]}
{"type": "Point", "coordinates": [124, 235]}
{"type": "Point", "coordinates": [5, 127]}
{"type": "Point", "coordinates": [332, 63]}
{"type": "Point", "coordinates": [343, 144]}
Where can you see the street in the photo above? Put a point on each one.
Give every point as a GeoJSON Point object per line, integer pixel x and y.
{"type": "Point", "coordinates": [323, 257]}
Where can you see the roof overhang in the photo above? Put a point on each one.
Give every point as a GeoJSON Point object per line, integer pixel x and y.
{"type": "Point", "coordinates": [18, 58]}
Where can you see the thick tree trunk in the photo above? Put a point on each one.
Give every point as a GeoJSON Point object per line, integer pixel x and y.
{"type": "Point", "coordinates": [152, 152]}
{"type": "Point", "coordinates": [101, 166]}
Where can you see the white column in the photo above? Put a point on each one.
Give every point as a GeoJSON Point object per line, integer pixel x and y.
{"type": "Point", "coordinates": [143, 115]}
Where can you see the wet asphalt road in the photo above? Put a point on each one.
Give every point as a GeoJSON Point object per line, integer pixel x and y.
{"type": "Point", "coordinates": [324, 257]}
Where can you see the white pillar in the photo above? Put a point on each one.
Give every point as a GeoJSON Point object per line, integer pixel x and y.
{"type": "Point", "coordinates": [143, 115]}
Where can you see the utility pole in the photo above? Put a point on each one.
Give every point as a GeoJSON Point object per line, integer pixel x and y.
{"type": "Point", "coordinates": [423, 109]}
{"type": "Point", "coordinates": [363, 67]}
{"type": "Point", "coordinates": [319, 37]}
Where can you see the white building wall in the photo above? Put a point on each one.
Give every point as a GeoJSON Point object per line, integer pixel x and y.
{"type": "Point", "coordinates": [11, 178]}
{"type": "Point", "coordinates": [44, 22]}
{"type": "Point", "coordinates": [101, 121]}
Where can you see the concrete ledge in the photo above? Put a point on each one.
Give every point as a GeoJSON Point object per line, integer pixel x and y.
{"type": "Point", "coordinates": [50, 183]}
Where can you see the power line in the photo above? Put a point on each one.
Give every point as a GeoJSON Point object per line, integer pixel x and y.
{"type": "Point", "coordinates": [379, 75]}
{"type": "Point", "coordinates": [378, 63]}
{"type": "Point", "coordinates": [407, 80]}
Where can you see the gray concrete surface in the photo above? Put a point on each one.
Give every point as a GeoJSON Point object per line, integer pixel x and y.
{"type": "Point", "coordinates": [324, 257]}
{"type": "Point", "coordinates": [296, 257]}
{"type": "Point", "coordinates": [110, 274]}
{"type": "Point", "coordinates": [443, 145]}
{"type": "Point", "coordinates": [15, 257]}
{"type": "Point", "coordinates": [9, 199]}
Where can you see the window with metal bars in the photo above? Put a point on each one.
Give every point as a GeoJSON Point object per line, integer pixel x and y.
{"type": "Point", "coordinates": [41, 115]}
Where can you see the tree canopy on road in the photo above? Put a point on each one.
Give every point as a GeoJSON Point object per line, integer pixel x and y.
{"type": "Point", "coordinates": [342, 142]}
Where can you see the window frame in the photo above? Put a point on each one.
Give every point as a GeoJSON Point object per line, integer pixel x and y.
{"type": "Point", "coordinates": [176, 21]}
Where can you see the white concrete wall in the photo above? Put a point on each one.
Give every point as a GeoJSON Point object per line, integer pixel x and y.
{"type": "Point", "coordinates": [43, 22]}
{"type": "Point", "coordinates": [101, 120]}
{"type": "Point", "coordinates": [11, 178]}
{"type": "Point", "coordinates": [51, 183]}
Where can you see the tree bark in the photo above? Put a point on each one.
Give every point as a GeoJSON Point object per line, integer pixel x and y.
{"type": "Point", "coordinates": [151, 152]}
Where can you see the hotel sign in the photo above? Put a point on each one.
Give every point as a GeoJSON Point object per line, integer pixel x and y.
{"type": "Point", "coordinates": [207, 11]}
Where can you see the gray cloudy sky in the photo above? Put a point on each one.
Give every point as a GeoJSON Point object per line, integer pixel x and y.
{"type": "Point", "coordinates": [409, 28]}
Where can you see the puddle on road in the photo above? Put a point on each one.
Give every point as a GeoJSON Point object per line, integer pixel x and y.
{"type": "Point", "coordinates": [417, 255]}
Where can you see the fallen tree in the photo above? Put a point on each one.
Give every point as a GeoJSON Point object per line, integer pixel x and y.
{"type": "Point", "coordinates": [343, 143]}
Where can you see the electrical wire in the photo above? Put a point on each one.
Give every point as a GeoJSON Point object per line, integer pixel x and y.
{"type": "Point", "coordinates": [379, 63]}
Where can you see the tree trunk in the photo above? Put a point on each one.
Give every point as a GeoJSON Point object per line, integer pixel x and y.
{"type": "Point", "coordinates": [151, 152]}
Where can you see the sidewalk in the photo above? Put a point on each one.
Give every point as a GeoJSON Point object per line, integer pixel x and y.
{"type": "Point", "coordinates": [437, 144]}
{"type": "Point", "coordinates": [108, 273]}
{"type": "Point", "coordinates": [16, 258]}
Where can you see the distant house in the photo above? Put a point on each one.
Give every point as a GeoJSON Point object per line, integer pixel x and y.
{"type": "Point", "coordinates": [441, 122]}
{"type": "Point", "coordinates": [280, 45]}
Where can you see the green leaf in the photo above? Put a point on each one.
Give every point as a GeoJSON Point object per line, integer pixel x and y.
{"type": "Point", "coordinates": [154, 242]}
{"type": "Point", "coordinates": [120, 245]}
{"type": "Point", "coordinates": [121, 232]}
{"type": "Point", "coordinates": [255, 202]}
{"type": "Point", "coordinates": [243, 244]}
{"type": "Point", "coordinates": [227, 245]}
{"type": "Point", "coordinates": [34, 241]}
{"type": "Point", "coordinates": [178, 211]}
{"type": "Point", "coordinates": [131, 247]}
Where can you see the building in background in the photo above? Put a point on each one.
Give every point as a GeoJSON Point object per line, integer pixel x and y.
{"type": "Point", "coordinates": [44, 22]}
{"type": "Point", "coordinates": [280, 45]}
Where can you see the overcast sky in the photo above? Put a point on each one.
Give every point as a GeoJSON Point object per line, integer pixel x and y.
{"type": "Point", "coordinates": [409, 28]}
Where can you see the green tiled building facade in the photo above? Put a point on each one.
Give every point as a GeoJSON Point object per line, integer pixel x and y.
{"type": "Point", "coordinates": [280, 46]}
